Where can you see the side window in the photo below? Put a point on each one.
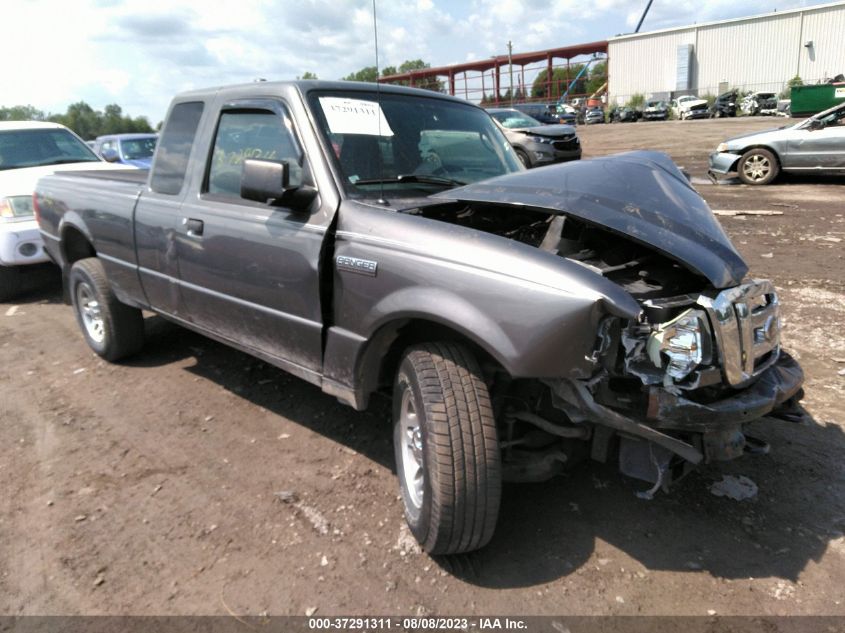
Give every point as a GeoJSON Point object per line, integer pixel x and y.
{"type": "Point", "coordinates": [175, 148]}
{"type": "Point", "coordinates": [243, 134]}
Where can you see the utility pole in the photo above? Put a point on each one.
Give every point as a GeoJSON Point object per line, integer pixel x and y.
{"type": "Point", "coordinates": [510, 66]}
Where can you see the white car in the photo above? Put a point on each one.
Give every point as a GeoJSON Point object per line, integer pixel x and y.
{"type": "Point", "coordinates": [690, 107]}
{"type": "Point", "coordinates": [29, 150]}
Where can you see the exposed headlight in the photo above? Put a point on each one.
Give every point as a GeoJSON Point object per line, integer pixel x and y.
{"type": "Point", "coordinates": [543, 139]}
{"type": "Point", "coordinates": [680, 345]}
{"type": "Point", "coordinates": [723, 147]}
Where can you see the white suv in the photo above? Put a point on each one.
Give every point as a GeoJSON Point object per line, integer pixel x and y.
{"type": "Point", "coordinates": [29, 150]}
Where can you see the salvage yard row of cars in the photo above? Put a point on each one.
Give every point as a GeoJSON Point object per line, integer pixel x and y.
{"type": "Point", "coordinates": [421, 260]}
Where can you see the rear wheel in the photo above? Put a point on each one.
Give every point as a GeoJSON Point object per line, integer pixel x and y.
{"type": "Point", "coordinates": [758, 166]}
{"type": "Point", "coordinates": [10, 282]}
{"type": "Point", "coordinates": [447, 453]}
{"type": "Point", "coordinates": [111, 328]}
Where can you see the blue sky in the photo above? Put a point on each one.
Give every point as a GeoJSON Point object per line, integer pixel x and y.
{"type": "Point", "coordinates": [139, 53]}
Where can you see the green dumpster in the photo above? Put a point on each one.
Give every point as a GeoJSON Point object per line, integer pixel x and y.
{"type": "Point", "coordinates": [808, 100]}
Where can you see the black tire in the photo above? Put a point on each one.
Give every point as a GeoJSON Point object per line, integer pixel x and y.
{"type": "Point", "coordinates": [453, 503]}
{"type": "Point", "coordinates": [112, 329]}
{"type": "Point", "coordinates": [523, 158]}
{"type": "Point", "coordinates": [758, 166]}
{"type": "Point", "coordinates": [10, 282]}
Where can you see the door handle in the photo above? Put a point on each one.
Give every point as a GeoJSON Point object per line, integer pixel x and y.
{"type": "Point", "coordinates": [194, 226]}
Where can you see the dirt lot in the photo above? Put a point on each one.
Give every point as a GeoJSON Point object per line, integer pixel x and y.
{"type": "Point", "coordinates": [150, 487]}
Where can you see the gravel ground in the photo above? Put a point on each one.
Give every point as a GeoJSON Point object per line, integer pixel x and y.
{"type": "Point", "coordinates": [196, 480]}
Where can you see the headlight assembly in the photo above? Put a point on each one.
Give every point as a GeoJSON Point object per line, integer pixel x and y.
{"type": "Point", "coordinates": [681, 345]}
{"type": "Point", "coordinates": [723, 147]}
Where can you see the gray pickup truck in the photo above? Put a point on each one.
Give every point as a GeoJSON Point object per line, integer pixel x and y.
{"type": "Point", "coordinates": [387, 240]}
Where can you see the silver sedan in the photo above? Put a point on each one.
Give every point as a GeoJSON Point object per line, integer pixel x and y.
{"type": "Point", "coordinates": [814, 145]}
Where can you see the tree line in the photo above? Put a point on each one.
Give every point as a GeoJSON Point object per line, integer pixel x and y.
{"type": "Point", "coordinates": [82, 119]}
{"type": "Point", "coordinates": [371, 74]}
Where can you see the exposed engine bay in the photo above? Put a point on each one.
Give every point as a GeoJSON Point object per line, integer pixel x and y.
{"type": "Point", "coordinates": [670, 389]}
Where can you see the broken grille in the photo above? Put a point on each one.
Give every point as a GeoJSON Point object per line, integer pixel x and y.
{"type": "Point", "coordinates": [746, 325]}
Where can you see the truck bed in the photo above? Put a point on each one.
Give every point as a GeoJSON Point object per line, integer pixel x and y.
{"type": "Point", "coordinates": [123, 175]}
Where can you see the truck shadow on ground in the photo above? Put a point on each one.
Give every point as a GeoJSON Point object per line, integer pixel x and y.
{"type": "Point", "coordinates": [551, 530]}
{"type": "Point", "coordinates": [38, 284]}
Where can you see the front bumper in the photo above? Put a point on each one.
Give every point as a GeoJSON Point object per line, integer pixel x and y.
{"type": "Point", "coordinates": [773, 387]}
{"type": "Point", "coordinates": [723, 163]}
{"type": "Point", "coordinates": [20, 244]}
{"type": "Point", "coordinates": [697, 114]}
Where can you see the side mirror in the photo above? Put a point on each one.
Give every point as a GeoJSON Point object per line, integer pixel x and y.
{"type": "Point", "coordinates": [263, 180]}
{"type": "Point", "coordinates": [110, 155]}
{"type": "Point", "coordinates": [815, 124]}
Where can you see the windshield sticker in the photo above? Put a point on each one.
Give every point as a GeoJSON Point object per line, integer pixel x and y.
{"type": "Point", "coordinates": [355, 116]}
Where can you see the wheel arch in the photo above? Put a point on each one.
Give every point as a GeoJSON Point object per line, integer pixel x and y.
{"type": "Point", "coordinates": [382, 354]}
{"type": "Point", "coordinates": [75, 244]}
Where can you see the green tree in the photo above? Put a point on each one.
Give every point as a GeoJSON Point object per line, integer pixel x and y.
{"type": "Point", "coordinates": [308, 75]}
{"type": "Point", "coordinates": [598, 77]}
{"type": "Point", "coordinates": [21, 113]}
{"type": "Point", "coordinates": [786, 93]}
{"type": "Point", "coordinates": [369, 73]}
{"type": "Point", "coordinates": [429, 83]}
{"type": "Point", "coordinates": [541, 89]}
{"type": "Point", "coordinates": [637, 101]}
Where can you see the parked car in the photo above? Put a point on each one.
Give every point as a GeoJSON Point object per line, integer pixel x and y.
{"type": "Point", "coordinates": [377, 238]}
{"type": "Point", "coordinates": [29, 150]}
{"type": "Point", "coordinates": [656, 110]}
{"type": "Point", "coordinates": [594, 115]}
{"type": "Point", "coordinates": [127, 149]}
{"type": "Point", "coordinates": [690, 107]}
{"type": "Point", "coordinates": [625, 114]}
{"type": "Point", "coordinates": [544, 113]}
{"type": "Point", "coordinates": [759, 103]}
{"type": "Point", "coordinates": [725, 105]}
{"type": "Point", "coordinates": [814, 145]}
{"type": "Point", "coordinates": [537, 144]}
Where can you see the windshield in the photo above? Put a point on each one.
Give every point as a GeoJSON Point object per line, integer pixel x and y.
{"type": "Point", "coordinates": [400, 144]}
{"type": "Point", "coordinates": [135, 148]}
{"type": "Point", "coordinates": [33, 148]}
{"type": "Point", "coordinates": [831, 116]}
{"type": "Point", "coordinates": [513, 119]}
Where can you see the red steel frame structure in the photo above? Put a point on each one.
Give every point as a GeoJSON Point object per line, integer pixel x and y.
{"type": "Point", "coordinates": [534, 61]}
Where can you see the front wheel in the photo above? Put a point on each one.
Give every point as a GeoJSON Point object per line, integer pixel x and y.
{"type": "Point", "coordinates": [523, 158]}
{"type": "Point", "coordinates": [111, 328]}
{"type": "Point", "coordinates": [758, 166]}
{"type": "Point", "coordinates": [447, 452]}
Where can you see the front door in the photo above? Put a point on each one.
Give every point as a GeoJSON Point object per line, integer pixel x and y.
{"type": "Point", "coordinates": [249, 271]}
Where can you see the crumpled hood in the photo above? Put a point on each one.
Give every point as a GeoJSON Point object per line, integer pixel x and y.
{"type": "Point", "coordinates": [641, 195]}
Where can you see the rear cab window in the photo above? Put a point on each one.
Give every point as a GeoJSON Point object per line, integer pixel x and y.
{"type": "Point", "coordinates": [177, 139]}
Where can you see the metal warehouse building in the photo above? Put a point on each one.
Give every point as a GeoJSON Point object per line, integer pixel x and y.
{"type": "Point", "coordinates": [758, 53]}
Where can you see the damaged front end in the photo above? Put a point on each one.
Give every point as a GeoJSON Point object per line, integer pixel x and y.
{"type": "Point", "coordinates": [671, 388]}
{"type": "Point", "coordinates": [691, 373]}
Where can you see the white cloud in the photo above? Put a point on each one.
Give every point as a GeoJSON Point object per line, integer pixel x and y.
{"type": "Point", "coordinates": [138, 53]}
